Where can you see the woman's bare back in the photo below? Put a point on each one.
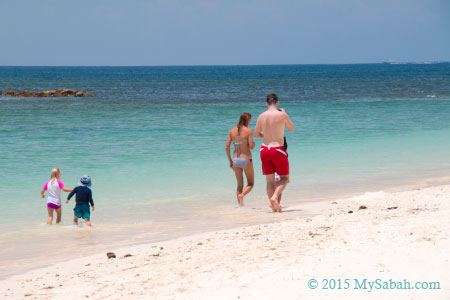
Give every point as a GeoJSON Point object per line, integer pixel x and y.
{"type": "Point", "coordinates": [242, 139]}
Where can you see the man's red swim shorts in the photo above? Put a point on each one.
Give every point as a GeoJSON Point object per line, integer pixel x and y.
{"type": "Point", "coordinates": [274, 159]}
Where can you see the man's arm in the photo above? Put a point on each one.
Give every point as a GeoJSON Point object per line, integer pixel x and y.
{"type": "Point", "coordinates": [251, 142]}
{"type": "Point", "coordinates": [289, 124]}
{"type": "Point", "coordinates": [258, 133]}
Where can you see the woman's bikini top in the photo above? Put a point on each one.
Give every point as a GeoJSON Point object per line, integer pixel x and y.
{"type": "Point", "coordinates": [238, 150]}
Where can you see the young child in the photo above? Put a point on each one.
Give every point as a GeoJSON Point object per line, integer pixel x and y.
{"type": "Point", "coordinates": [82, 199]}
{"type": "Point", "coordinates": [54, 187]}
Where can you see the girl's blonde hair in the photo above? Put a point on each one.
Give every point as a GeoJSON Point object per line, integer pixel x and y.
{"type": "Point", "coordinates": [55, 173]}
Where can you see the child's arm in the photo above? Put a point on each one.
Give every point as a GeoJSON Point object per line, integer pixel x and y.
{"type": "Point", "coordinates": [91, 201]}
{"type": "Point", "coordinates": [62, 187]}
{"type": "Point", "coordinates": [72, 192]}
{"type": "Point", "coordinates": [44, 188]}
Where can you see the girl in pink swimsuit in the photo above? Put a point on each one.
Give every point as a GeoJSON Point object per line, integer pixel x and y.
{"type": "Point", "coordinates": [54, 187]}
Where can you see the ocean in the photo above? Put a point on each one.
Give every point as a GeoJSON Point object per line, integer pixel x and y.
{"type": "Point", "coordinates": [153, 141]}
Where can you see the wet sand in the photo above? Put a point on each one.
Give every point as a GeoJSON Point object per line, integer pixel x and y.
{"type": "Point", "coordinates": [388, 235]}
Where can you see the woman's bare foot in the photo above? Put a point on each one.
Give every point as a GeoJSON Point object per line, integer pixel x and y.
{"type": "Point", "coordinates": [240, 199]}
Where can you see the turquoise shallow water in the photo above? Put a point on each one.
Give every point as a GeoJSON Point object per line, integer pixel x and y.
{"type": "Point", "coordinates": [153, 141]}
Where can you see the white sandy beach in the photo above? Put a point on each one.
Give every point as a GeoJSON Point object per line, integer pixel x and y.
{"type": "Point", "coordinates": [410, 241]}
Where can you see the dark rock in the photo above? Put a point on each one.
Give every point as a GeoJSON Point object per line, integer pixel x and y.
{"type": "Point", "coordinates": [350, 211]}
{"type": "Point", "coordinates": [52, 93]}
{"type": "Point", "coordinates": [65, 93]}
{"type": "Point", "coordinates": [393, 207]}
{"type": "Point", "coordinates": [49, 93]}
{"type": "Point", "coordinates": [111, 255]}
{"type": "Point", "coordinates": [24, 93]}
{"type": "Point", "coordinates": [362, 207]}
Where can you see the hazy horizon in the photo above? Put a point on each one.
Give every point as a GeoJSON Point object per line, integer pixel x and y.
{"type": "Point", "coordinates": [243, 65]}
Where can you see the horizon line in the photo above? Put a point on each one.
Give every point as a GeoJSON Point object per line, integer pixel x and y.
{"type": "Point", "coordinates": [240, 65]}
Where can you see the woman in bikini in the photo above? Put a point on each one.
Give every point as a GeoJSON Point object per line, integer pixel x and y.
{"type": "Point", "coordinates": [242, 138]}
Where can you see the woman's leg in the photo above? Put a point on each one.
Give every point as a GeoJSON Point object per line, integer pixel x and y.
{"type": "Point", "coordinates": [250, 174]}
{"type": "Point", "coordinates": [240, 184]}
{"type": "Point", "coordinates": [50, 215]}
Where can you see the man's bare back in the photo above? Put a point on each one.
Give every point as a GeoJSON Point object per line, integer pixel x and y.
{"type": "Point", "coordinates": [271, 124]}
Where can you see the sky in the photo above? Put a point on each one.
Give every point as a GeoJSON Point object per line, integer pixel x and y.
{"type": "Point", "coordinates": [227, 32]}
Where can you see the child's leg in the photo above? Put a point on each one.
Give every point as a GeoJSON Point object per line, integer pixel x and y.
{"type": "Point", "coordinates": [58, 215]}
{"type": "Point", "coordinates": [75, 221]}
{"type": "Point", "coordinates": [88, 222]}
{"type": "Point", "coordinates": [50, 215]}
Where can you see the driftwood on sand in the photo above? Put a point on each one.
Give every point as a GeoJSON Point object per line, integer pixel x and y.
{"type": "Point", "coordinates": [51, 93]}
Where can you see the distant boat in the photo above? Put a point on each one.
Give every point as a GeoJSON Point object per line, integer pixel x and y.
{"type": "Point", "coordinates": [391, 62]}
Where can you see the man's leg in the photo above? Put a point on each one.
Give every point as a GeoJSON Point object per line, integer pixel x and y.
{"type": "Point", "coordinates": [75, 221]}
{"type": "Point", "coordinates": [88, 222]}
{"type": "Point", "coordinates": [270, 188]}
{"type": "Point", "coordinates": [280, 186]}
{"type": "Point", "coordinates": [275, 186]}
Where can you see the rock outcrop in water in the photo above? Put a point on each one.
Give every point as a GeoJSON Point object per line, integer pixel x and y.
{"type": "Point", "coordinates": [52, 93]}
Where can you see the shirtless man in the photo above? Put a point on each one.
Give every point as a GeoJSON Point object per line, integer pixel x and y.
{"type": "Point", "coordinates": [270, 126]}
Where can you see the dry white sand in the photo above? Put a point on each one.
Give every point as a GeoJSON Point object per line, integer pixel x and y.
{"type": "Point", "coordinates": [409, 242]}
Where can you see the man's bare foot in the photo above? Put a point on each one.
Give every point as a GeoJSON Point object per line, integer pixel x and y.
{"type": "Point", "coordinates": [274, 205]}
{"type": "Point", "coordinates": [240, 199]}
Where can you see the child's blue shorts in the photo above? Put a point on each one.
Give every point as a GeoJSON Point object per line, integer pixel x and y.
{"type": "Point", "coordinates": [82, 211]}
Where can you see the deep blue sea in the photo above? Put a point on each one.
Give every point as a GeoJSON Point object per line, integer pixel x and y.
{"type": "Point", "coordinates": [153, 141]}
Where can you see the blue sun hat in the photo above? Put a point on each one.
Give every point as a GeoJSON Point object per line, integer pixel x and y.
{"type": "Point", "coordinates": [85, 180]}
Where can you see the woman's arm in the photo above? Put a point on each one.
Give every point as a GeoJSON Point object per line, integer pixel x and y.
{"type": "Point", "coordinates": [66, 190]}
{"type": "Point", "coordinates": [227, 148]}
{"type": "Point", "coordinates": [42, 193]}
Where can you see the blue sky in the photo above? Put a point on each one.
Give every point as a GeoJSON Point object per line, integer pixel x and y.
{"type": "Point", "coordinates": [228, 32]}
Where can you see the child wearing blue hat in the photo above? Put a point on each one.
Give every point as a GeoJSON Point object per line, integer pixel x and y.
{"type": "Point", "coordinates": [83, 199]}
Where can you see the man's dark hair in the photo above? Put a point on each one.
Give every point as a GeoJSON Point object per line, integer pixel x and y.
{"type": "Point", "coordinates": [272, 99]}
